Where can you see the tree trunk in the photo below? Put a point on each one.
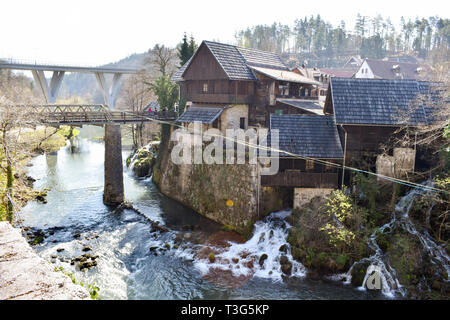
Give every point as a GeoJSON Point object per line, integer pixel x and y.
{"type": "Point", "coordinates": [9, 192]}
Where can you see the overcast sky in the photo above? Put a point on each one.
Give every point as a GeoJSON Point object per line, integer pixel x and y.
{"type": "Point", "coordinates": [94, 32]}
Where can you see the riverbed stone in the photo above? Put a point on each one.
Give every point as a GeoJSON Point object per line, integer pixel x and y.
{"type": "Point", "coordinates": [262, 258]}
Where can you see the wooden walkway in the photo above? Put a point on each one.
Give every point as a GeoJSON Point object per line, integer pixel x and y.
{"type": "Point", "coordinates": [90, 114]}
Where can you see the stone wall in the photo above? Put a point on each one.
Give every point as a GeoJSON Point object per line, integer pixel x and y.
{"type": "Point", "coordinates": [399, 165]}
{"type": "Point", "coordinates": [25, 275]}
{"type": "Point", "coordinates": [208, 190]}
{"type": "Point", "coordinates": [230, 117]}
{"type": "Point", "coordinates": [303, 196]}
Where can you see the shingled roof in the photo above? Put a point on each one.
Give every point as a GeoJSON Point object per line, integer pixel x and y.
{"type": "Point", "coordinates": [307, 135]}
{"type": "Point", "coordinates": [178, 75]}
{"type": "Point", "coordinates": [237, 61]}
{"type": "Point", "coordinates": [200, 114]}
{"type": "Point", "coordinates": [307, 105]}
{"type": "Point", "coordinates": [377, 101]}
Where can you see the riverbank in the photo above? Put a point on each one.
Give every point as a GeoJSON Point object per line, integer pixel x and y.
{"type": "Point", "coordinates": [27, 276]}
{"type": "Point", "coordinates": [31, 144]}
{"type": "Point", "coordinates": [344, 237]}
{"type": "Point", "coordinates": [135, 262]}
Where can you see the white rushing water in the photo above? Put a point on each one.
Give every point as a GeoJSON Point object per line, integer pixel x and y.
{"type": "Point", "coordinates": [378, 262]}
{"type": "Point", "coordinates": [269, 236]}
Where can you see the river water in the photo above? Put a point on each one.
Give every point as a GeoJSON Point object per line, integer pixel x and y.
{"type": "Point", "coordinates": [127, 268]}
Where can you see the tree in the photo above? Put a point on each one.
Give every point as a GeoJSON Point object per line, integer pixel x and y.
{"type": "Point", "coordinates": [184, 51]}
{"type": "Point", "coordinates": [13, 90]}
{"type": "Point", "coordinates": [136, 96]}
{"type": "Point", "coordinates": [192, 47]}
{"type": "Point", "coordinates": [166, 91]}
{"type": "Point", "coordinates": [163, 57]}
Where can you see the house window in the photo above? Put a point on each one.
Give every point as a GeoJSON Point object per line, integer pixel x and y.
{"type": "Point", "coordinates": [309, 165]}
{"type": "Point", "coordinates": [242, 123]}
{"type": "Point", "coordinates": [205, 87]}
{"type": "Point", "coordinates": [279, 112]}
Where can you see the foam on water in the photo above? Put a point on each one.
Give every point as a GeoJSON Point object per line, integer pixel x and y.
{"type": "Point", "coordinates": [268, 237]}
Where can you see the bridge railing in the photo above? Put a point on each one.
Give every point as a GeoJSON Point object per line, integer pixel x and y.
{"type": "Point", "coordinates": [90, 114]}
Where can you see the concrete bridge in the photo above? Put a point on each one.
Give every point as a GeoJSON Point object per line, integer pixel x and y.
{"type": "Point", "coordinates": [55, 115]}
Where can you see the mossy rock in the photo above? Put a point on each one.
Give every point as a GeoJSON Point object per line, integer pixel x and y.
{"type": "Point", "coordinates": [358, 273]}
{"type": "Point", "coordinates": [382, 240]}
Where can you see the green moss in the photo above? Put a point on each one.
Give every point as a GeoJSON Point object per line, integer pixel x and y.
{"type": "Point", "coordinates": [228, 227]}
{"type": "Point", "coordinates": [342, 260]}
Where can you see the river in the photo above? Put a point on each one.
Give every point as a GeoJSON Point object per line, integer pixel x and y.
{"type": "Point", "coordinates": [126, 268]}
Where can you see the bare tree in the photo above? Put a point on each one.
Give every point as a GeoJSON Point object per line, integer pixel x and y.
{"type": "Point", "coordinates": [14, 90]}
{"type": "Point", "coordinates": [135, 97]}
{"type": "Point", "coordinates": [163, 58]}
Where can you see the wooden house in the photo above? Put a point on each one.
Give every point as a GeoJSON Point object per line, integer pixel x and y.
{"type": "Point", "coordinates": [312, 155]}
{"type": "Point", "coordinates": [368, 112]}
{"type": "Point", "coordinates": [383, 69]}
{"type": "Point", "coordinates": [245, 84]}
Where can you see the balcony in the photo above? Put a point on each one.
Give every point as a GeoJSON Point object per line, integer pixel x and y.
{"type": "Point", "coordinates": [298, 179]}
{"type": "Point", "coordinates": [223, 98]}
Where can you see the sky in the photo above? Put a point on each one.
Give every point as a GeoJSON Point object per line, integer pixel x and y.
{"type": "Point", "coordinates": [94, 32]}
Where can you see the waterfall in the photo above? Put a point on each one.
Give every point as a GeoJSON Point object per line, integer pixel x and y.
{"type": "Point", "coordinates": [378, 263]}
{"type": "Point", "coordinates": [263, 255]}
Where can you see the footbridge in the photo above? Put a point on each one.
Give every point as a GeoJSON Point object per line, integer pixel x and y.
{"type": "Point", "coordinates": [78, 115]}
{"type": "Point", "coordinates": [89, 114]}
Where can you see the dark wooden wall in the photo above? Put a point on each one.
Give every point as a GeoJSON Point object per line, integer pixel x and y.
{"type": "Point", "coordinates": [204, 67]}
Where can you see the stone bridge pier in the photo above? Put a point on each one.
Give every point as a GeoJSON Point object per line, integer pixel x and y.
{"type": "Point", "coordinates": [113, 190]}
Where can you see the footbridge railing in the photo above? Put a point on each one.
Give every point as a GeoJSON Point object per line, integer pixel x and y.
{"type": "Point", "coordinates": [96, 114]}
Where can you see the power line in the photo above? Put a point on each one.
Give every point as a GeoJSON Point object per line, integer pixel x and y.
{"type": "Point", "coordinates": [332, 164]}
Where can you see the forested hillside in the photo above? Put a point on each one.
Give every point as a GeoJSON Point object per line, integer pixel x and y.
{"type": "Point", "coordinates": [324, 45]}
{"type": "Point", "coordinates": [315, 41]}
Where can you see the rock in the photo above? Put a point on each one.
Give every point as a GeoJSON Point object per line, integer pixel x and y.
{"type": "Point", "coordinates": [358, 273]}
{"type": "Point", "coordinates": [60, 249]}
{"type": "Point", "coordinates": [178, 238]}
{"type": "Point", "coordinates": [86, 248]}
{"type": "Point", "coordinates": [262, 258]}
{"type": "Point", "coordinates": [271, 234]}
{"type": "Point", "coordinates": [262, 237]}
{"type": "Point", "coordinates": [236, 260]}
{"type": "Point", "coordinates": [157, 227]}
{"type": "Point", "coordinates": [77, 235]}
{"type": "Point", "coordinates": [41, 198]}
{"type": "Point", "coordinates": [30, 179]}
{"type": "Point", "coordinates": [284, 260]}
{"type": "Point", "coordinates": [153, 249]}
{"type": "Point", "coordinates": [283, 248]}
{"type": "Point", "coordinates": [187, 236]}
{"type": "Point", "coordinates": [436, 285]}
{"type": "Point", "coordinates": [86, 264]}
{"type": "Point", "coordinates": [167, 246]}
{"type": "Point", "coordinates": [286, 268]}
{"type": "Point", "coordinates": [53, 256]}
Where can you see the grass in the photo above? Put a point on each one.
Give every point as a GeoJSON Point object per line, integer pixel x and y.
{"type": "Point", "coordinates": [91, 288]}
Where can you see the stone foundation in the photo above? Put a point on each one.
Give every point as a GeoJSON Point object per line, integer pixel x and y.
{"type": "Point", "coordinates": [397, 166]}
{"type": "Point", "coordinates": [303, 196]}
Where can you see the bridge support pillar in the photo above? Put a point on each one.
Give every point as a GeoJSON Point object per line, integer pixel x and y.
{"type": "Point", "coordinates": [113, 192]}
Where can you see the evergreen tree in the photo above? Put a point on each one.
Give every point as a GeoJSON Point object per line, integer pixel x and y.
{"type": "Point", "coordinates": [192, 47]}
{"type": "Point", "coordinates": [184, 51]}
